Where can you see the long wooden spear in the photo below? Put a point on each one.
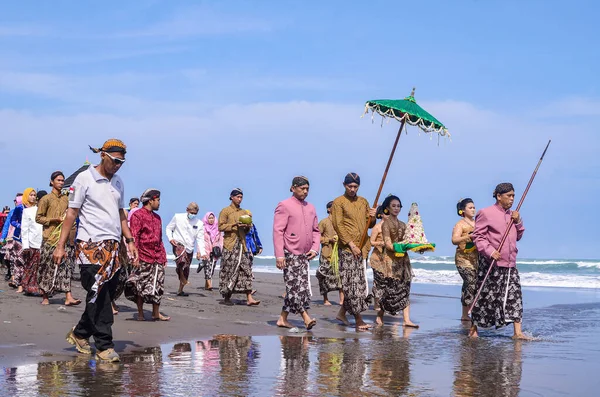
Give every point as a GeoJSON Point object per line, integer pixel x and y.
{"type": "Point", "coordinates": [510, 225]}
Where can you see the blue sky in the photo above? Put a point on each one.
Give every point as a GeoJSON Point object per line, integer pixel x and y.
{"type": "Point", "coordinates": [214, 95]}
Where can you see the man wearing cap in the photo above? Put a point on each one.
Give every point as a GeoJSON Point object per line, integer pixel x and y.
{"type": "Point", "coordinates": [146, 284]}
{"type": "Point", "coordinates": [96, 197]}
{"type": "Point", "coordinates": [296, 240]}
{"type": "Point", "coordinates": [186, 232]}
{"type": "Point", "coordinates": [350, 216]}
{"type": "Point", "coordinates": [235, 275]}
{"type": "Point", "coordinates": [329, 279]}
{"type": "Point", "coordinates": [51, 211]}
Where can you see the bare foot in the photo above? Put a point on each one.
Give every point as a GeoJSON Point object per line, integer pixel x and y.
{"type": "Point", "coordinates": [139, 317]}
{"type": "Point", "coordinates": [362, 326]}
{"type": "Point", "coordinates": [343, 319]}
{"type": "Point", "coordinates": [284, 324]}
{"type": "Point", "coordinates": [45, 302]}
{"type": "Point", "coordinates": [161, 318]}
{"type": "Point", "coordinates": [20, 290]}
{"type": "Point", "coordinates": [379, 321]}
{"type": "Point", "coordinates": [252, 302]}
{"type": "Point", "coordinates": [73, 302]}
{"type": "Point", "coordinates": [522, 337]}
{"type": "Point", "coordinates": [410, 324]}
{"type": "Point", "coordinates": [311, 324]}
{"type": "Point", "coordinates": [326, 303]}
{"type": "Point", "coordinates": [473, 332]}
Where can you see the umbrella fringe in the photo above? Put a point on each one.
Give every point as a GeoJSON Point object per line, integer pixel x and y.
{"type": "Point", "coordinates": [423, 125]}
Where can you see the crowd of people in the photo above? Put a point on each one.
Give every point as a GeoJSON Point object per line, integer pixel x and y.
{"type": "Point", "coordinates": [120, 250]}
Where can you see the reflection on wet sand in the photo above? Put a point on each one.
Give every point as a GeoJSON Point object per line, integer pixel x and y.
{"type": "Point", "coordinates": [488, 368]}
{"type": "Point", "coordinates": [390, 371]}
{"type": "Point", "coordinates": [293, 379]}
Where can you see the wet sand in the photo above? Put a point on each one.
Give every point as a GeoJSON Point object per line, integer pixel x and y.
{"type": "Point", "coordinates": [37, 332]}
{"type": "Point", "coordinates": [190, 356]}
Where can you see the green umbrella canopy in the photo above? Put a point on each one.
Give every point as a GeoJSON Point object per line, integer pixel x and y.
{"type": "Point", "coordinates": [407, 110]}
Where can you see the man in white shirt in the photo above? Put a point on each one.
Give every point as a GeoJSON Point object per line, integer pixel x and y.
{"type": "Point", "coordinates": [186, 232]}
{"type": "Point", "coordinates": [96, 197]}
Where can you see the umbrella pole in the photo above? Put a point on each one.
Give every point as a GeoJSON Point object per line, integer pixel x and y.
{"type": "Point", "coordinates": [510, 224]}
{"type": "Point", "coordinates": [387, 168]}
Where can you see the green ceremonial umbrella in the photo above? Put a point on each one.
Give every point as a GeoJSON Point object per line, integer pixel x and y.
{"type": "Point", "coordinates": [405, 111]}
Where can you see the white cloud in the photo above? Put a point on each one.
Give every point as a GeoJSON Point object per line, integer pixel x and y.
{"type": "Point", "coordinates": [571, 107]}
{"type": "Point", "coordinates": [199, 21]}
{"type": "Point", "coordinates": [23, 31]}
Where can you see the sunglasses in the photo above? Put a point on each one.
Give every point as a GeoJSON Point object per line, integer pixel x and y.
{"type": "Point", "coordinates": [115, 160]}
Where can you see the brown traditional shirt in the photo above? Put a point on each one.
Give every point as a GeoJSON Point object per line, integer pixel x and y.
{"type": "Point", "coordinates": [52, 206]}
{"type": "Point", "coordinates": [396, 267]}
{"type": "Point", "coordinates": [350, 217]}
{"type": "Point", "coordinates": [228, 224]}
{"type": "Point", "coordinates": [327, 233]}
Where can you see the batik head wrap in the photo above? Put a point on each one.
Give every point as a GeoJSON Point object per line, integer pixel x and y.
{"type": "Point", "coordinates": [235, 192]}
{"type": "Point", "coordinates": [149, 194]}
{"type": "Point", "coordinates": [212, 230]}
{"type": "Point", "coordinates": [26, 194]}
{"type": "Point", "coordinates": [352, 177]}
{"type": "Point", "coordinates": [462, 204]}
{"type": "Point", "coordinates": [111, 146]}
{"type": "Point", "coordinates": [299, 181]}
{"type": "Point", "coordinates": [503, 188]}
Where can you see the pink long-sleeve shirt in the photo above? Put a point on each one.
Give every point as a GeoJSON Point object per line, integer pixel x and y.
{"type": "Point", "coordinates": [295, 228]}
{"type": "Point", "coordinates": [490, 226]}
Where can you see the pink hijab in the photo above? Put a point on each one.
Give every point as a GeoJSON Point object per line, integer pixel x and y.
{"type": "Point", "coordinates": [212, 230]}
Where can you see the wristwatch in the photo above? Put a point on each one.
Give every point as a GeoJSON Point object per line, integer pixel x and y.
{"type": "Point", "coordinates": [129, 240]}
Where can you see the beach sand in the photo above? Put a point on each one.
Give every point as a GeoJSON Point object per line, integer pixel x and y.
{"type": "Point", "coordinates": [437, 359]}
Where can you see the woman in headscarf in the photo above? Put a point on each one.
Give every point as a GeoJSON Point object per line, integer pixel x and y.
{"type": "Point", "coordinates": [466, 253]}
{"type": "Point", "coordinates": [392, 282]}
{"type": "Point", "coordinates": [17, 257]}
{"type": "Point", "coordinates": [213, 242]}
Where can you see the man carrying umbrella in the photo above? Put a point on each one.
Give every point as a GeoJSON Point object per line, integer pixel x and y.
{"type": "Point", "coordinates": [351, 216]}
{"type": "Point", "coordinates": [296, 239]}
{"type": "Point", "coordinates": [96, 197]}
{"type": "Point", "coordinates": [146, 283]}
{"type": "Point", "coordinates": [51, 211]}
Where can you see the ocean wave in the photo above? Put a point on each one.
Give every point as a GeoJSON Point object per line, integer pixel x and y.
{"type": "Point", "coordinates": [451, 277]}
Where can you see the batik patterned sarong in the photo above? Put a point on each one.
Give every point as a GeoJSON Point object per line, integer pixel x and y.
{"type": "Point", "coordinates": [146, 281]}
{"type": "Point", "coordinates": [328, 280]}
{"type": "Point", "coordinates": [29, 282]}
{"type": "Point", "coordinates": [393, 294]}
{"type": "Point", "coordinates": [354, 283]}
{"type": "Point", "coordinates": [240, 280]}
{"type": "Point", "coordinates": [14, 257]}
{"type": "Point", "coordinates": [297, 284]}
{"type": "Point", "coordinates": [469, 287]}
{"type": "Point", "coordinates": [501, 301]}
{"type": "Point", "coordinates": [183, 260]}
{"type": "Point", "coordinates": [102, 253]}
{"type": "Point", "coordinates": [47, 281]}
